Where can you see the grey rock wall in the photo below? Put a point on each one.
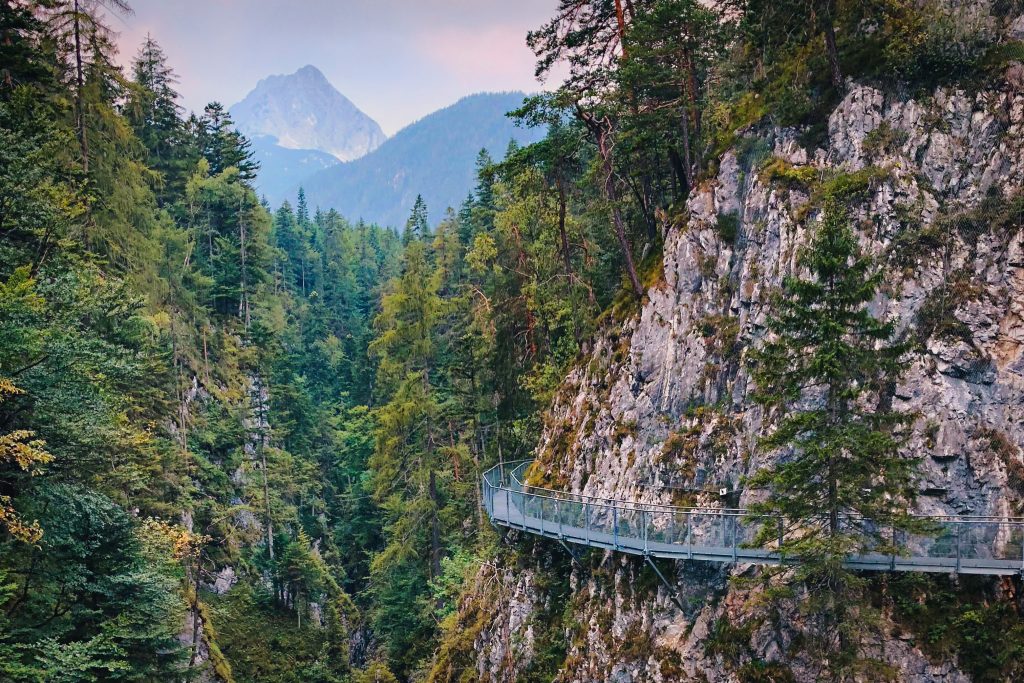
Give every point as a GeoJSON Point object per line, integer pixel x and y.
{"type": "Point", "coordinates": [665, 401]}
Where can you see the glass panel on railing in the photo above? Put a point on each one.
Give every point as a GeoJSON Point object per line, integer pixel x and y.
{"type": "Point", "coordinates": [747, 530]}
{"type": "Point", "coordinates": [658, 526]}
{"type": "Point", "coordinates": [1013, 547]}
{"type": "Point", "coordinates": [576, 517]}
{"type": "Point", "coordinates": [942, 542]}
{"type": "Point", "coordinates": [978, 539]}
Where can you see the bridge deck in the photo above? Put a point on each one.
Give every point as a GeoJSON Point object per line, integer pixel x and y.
{"type": "Point", "coordinates": [966, 545]}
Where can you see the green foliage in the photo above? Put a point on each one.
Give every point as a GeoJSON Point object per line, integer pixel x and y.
{"type": "Point", "coordinates": [884, 139]}
{"type": "Point", "coordinates": [839, 460]}
{"type": "Point", "coordinates": [315, 400]}
{"type": "Point", "coordinates": [447, 587]}
{"type": "Point", "coordinates": [376, 672]}
{"type": "Point", "coordinates": [92, 604]}
{"type": "Point", "coordinates": [965, 620]}
{"type": "Point", "coordinates": [931, 42]}
{"type": "Point", "coordinates": [261, 638]}
{"type": "Point", "coordinates": [728, 227]}
{"type": "Point", "coordinates": [728, 641]}
{"type": "Point", "coordinates": [803, 178]}
{"type": "Point", "coordinates": [765, 672]}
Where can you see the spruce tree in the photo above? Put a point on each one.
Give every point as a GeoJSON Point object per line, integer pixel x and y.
{"type": "Point", "coordinates": [840, 483]}
{"type": "Point", "coordinates": [156, 117]}
{"type": "Point", "coordinates": [86, 42]}
{"type": "Point", "coordinates": [417, 227]}
{"type": "Point", "coordinates": [302, 209]}
{"type": "Point", "coordinates": [223, 146]}
{"type": "Point", "coordinates": [408, 475]}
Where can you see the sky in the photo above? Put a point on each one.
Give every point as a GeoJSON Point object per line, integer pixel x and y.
{"type": "Point", "coordinates": [397, 60]}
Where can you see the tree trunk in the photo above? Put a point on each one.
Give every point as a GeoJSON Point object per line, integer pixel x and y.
{"type": "Point", "coordinates": [612, 194]}
{"type": "Point", "coordinates": [687, 97]}
{"type": "Point", "coordinates": [243, 300]}
{"type": "Point", "coordinates": [620, 19]}
{"type": "Point", "coordinates": [680, 173]}
{"type": "Point", "coordinates": [687, 157]}
{"type": "Point", "coordinates": [830, 45]}
{"type": "Point", "coordinates": [196, 618]}
{"type": "Point", "coordinates": [435, 529]}
{"type": "Point", "coordinates": [206, 356]}
{"type": "Point", "coordinates": [693, 89]}
{"type": "Point", "coordinates": [562, 206]}
{"type": "Point", "coordinates": [563, 202]}
{"type": "Point", "coordinates": [268, 522]}
{"type": "Point", "coordinates": [83, 142]}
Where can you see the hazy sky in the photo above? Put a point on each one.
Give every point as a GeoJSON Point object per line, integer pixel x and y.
{"type": "Point", "coordinates": [397, 60]}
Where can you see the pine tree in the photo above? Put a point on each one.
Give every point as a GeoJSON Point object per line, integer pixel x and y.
{"type": "Point", "coordinates": [408, 474]}
{"type": "Point", "coordinates": [671, 49]}
{"type": "Point", "coordinates": [826, 374]}
{"type": "Point", "coordinates": [87, 41]}
{"type": "Point", "coordinates": [21, 61]}
{"type": "Point", "coordinates": [223, 146]}
{"type": "Point", "coordinates": [302, 209]}
{"type": "Point", "coordinates": [155, 115]}
{"type": "Point", "coordinates": [417, 227]}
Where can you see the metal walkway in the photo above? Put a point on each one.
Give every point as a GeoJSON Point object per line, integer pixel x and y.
{"type": "Point", "coordinates": [965, 545]}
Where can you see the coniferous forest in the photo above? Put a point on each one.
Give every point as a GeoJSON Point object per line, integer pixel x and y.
{"type": "Point", "coordinates": [243, 442]}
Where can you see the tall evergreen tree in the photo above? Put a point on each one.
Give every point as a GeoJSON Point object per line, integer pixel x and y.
{"type": "Point", "coordinates": [85, 41]}
{"type": "Point", "coordinates": [826, 374]}
{"type": "Point", "coordinates": [417, 227]}
{"type": "Point", "coordinates": [407, 472]}
{"type": "Point", "coordinates": [223, 146]}
{"type": "Point", "coordinates": [156, 117]}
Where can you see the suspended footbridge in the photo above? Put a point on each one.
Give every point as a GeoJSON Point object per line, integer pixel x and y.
{"type": "Point", "coordinates": [961, 545]}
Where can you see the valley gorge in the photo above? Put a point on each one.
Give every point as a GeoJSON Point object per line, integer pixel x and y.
{"type": "Point", "coordinates": [764, 259]}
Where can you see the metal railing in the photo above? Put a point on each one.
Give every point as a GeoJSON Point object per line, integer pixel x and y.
{"type": "Point", "coordinates": [967, 545]}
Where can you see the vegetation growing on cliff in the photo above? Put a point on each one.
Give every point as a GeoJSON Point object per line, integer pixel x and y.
{"type": "Point", "coordinates": [244, 442]}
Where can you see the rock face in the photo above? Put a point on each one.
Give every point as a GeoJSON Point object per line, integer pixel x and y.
{"type": "Point", "coordinates": [304, 111]}
{"type": "Point", "coordinates": [936, 170]}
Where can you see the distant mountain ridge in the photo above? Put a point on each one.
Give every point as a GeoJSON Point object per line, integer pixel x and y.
{"type": "Point", "coordinates": [281, 168]}
{"type": "Point", "coordinates": [303, 111]}
{"type": "Point", "coordinates": [435, 157]}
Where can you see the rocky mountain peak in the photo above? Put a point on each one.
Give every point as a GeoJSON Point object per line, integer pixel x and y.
{"type": "Point", "coordinates": [303, 110]}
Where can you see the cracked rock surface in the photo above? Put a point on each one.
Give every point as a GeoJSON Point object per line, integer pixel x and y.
{"type": "Point", "coordinates": [673, 374]}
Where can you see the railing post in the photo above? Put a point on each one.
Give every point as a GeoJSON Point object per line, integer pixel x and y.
{"type": "Point", "coordinates": [672, 528]}
{"type": "Point", "coordinates": [644, 520]}
{"type": "Point", "coordinates": [689, 538]}
{"type": "Point", "coordinates": [892, 558]}
{"type": "Point", "coordinates": [541, 516]}
{"type": "Point", "coordinates": [958, 531]}
{"type": "Point", "coordinates": [558, 512]}
{"type": "Point", "coordinates": [522, 499]}
{"type": "Point", "coordinates": [782, 536]}
{"type": "Point", "coordinates": [615, 526]}
{"type": "Point", "coordinates": [508, 506]}
{"type": "Point", "coordinates": [1021, 549]}
{"type": "Point", "coordinates": [734, 539]}
{"type": "Point", "coordinates": [586, 520]}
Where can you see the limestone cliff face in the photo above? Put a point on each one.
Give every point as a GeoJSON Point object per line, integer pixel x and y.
{"type": "Point", "coordinates": [665, 401]}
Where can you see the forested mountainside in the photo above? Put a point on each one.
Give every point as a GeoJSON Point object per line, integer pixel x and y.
{"type": "Point", "coordinates": [282, 170]}
{"type": "Point", "coordinates": [433, 158]}
{"type": "Point", "coordinates": [771, 247]}
{"type": "Point", "coordinates": [300, 124]}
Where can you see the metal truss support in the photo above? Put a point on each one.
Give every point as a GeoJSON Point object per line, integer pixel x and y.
{"type": "Point", "coordinates": [668, 586]}
{"type": "Point", "coordinates": [572, 553]}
